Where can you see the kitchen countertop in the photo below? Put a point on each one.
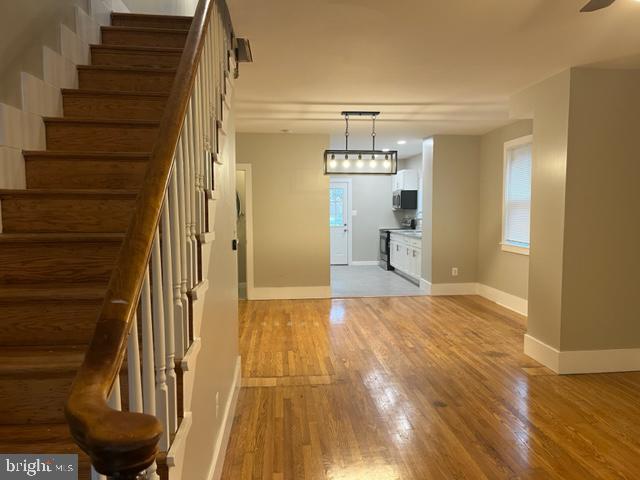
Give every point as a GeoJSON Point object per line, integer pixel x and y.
{"type": "Point", "coordinates": [408, 233]}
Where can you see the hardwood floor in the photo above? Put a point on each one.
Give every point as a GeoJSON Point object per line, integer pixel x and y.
{"type": "Point", "coordinates": [418, 388]}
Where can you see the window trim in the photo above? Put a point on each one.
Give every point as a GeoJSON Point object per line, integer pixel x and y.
{"type": "Point", "coordinates": [508, 146]}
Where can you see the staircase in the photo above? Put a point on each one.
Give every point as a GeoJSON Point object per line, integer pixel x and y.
{"type": "Point", "coordinates": [61, 236]}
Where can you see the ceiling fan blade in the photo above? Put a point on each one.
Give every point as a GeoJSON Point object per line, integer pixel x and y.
{"type": "Point", "coordinates": [594, 5]}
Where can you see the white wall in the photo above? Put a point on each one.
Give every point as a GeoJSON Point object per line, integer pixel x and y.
{"type": "Point", "coordinates": [413, 163]}
{"type": "Point", "coordinates": [372, 200]}
{"type": "Point", "coordinates": [164, 7]}
{"type": "Point", "coordinates": [41, 42]}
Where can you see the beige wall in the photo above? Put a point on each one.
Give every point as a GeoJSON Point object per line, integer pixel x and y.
{"type": "Point", "coordinates": [454, 208]}
{"type": "Point", "coordinates": [601, 263]}
{"type": "Point", "coordinates": [290, 208]}
{"type": "Point", "coordinates": [214, 374]}
{"type": "Point", "coordinates": [241, 227]}
{"type": "Point", "coordinates": [548, 104]}
{"type": "Point", "coordinates": [505, 271]}
{"type": "Point", "coordinates": [585, 223]}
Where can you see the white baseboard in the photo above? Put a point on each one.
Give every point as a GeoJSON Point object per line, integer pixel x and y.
{"type": "Point", "coordinates": [217, 462]}
{"type": "Point", "coordinates": [438, 289]}
{"type": "Point", "coordinates": [542, 353]}
{"type": "Point", "coordinates": [365, 263]}
{"type": "Point", "coordinates": [507, 300]}
{"type": "Point", "coordinates": [289, 293]}
{"type": "Point", "coordinates": [582, 361]}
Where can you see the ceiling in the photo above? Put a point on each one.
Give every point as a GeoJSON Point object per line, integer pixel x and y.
{"type": "Point", "coordinates": [446, 66]}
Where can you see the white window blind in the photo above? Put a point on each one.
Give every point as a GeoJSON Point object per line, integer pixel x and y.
{"type": "Point", "coordinates": [517, 195]}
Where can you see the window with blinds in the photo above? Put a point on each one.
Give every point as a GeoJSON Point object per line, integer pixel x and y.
{"type": "Point", "coordinates": [517, 195]}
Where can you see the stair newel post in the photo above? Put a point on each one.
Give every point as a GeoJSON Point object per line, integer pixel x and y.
{"type": "Point", "coordinates": [184, 244]}
{"type": "Point", "coordinates": [148, 364]}
{"type": "Point", "coordinates": [169, 324]}
{"type": "Point", "coordinates": [133, 368]}
{"type": "Point", "coordinates": [177, 257]}
{"type": "Point", "coordinates": [157, 293]}
{"type": "Point", "coordinates": [114, 401]}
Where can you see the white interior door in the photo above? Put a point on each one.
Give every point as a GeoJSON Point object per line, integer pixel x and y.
{"type": "Point", "coordinates": [339, 222]}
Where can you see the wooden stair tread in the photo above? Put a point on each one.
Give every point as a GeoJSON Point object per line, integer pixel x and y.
{"type": "Point", "coordinates": [136, 48]}
{"type": "Point", "coordinates": [60, 237]}
{"type": "Point", "coordinates": [79, 154]}
{"type": "Point", "coordinates": [100, 121]}
{"type": "Point", "coordinates": [119, 28]}
{"type": "Point", "coordinates": [20, 361]}
{"type": "Point", "coordinates": [126, 68]}
{"type": "Point", "coordinates": [58, 291]}
{"type": "Point", "coordinates": [25, 435]}
{"type": "Point", "coordinates": [30, 192]}
{"type": "Point", "coordinates": [112, 93]}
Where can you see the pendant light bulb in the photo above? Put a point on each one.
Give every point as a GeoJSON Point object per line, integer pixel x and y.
{"type": "Point", "coordinates": [333, 164]}
{"type": "Point", "coordinates": [373, 164]}
{"type": "Point", "coordinates": [387, 164]}
{"type": "Point", "coordinates": [346, 164]}
{"type": "Point", "coordinates": [359, 164]}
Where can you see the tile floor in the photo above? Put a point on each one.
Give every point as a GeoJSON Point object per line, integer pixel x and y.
{"type": "Point", "coordinates": [369, 281]}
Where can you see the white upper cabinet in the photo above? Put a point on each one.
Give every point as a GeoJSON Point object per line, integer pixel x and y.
{"type": "Point", "coordinates": [405, 180]}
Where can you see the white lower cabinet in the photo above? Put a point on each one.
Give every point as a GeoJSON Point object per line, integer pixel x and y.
{"type": "Point", "coordinates": [406, 255]}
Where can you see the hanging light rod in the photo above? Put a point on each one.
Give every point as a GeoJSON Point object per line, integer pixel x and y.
{"type": "Point", "coordinates": [357, 162]}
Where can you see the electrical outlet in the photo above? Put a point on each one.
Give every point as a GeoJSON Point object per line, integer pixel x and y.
{"type": "Point", "coordinates": [454, 272]}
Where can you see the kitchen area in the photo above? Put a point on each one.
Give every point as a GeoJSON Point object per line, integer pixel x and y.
{"type": "Point", "coordinates": [379, 219]}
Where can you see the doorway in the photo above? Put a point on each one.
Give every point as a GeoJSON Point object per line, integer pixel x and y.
{"type": "Point", "coordinates": [244, 230]}
{"type": "Point", "coordinates": [340, 221]}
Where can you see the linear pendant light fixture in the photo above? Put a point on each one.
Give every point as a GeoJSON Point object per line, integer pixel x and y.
{"type": "Point", "coordinates": [357, 162]}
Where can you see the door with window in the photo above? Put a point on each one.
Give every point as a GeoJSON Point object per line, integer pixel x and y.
{"type": "Point", "coordinates": [339, 222]}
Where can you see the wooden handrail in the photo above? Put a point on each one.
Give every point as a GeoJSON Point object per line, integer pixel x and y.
{"type": "Point", "coordinates": [122, 444]}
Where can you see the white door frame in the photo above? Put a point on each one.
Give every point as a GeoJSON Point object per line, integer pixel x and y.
{"type": "Point", "coordinates": [248, 218]}
{"type": "Point", "coordinates": [349, 183]}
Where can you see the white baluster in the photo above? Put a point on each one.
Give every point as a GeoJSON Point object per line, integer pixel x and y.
{"type": "Point", "coordinates": [96, 476]}
{"type": "Point", "coordinates": [184, 243]}
{"type": "Point", "coordinates": [148, 367]}
{"type": "Point", "coordinates": [191, 182]}
{"type": "Point", "coordinates": [162, 394]}
{"type": "Point", "coordinates": [199, 141]}
{"type": "Point", "coordinates": [186, 154]}
{"type": "Point", "coordinates": [176, 257]}
{"type": "Point", "coordinates": [169, 325]}
{"type": "Point", "coordinates": [115, 398]}
{"type": "Point", "coordinates": [133, 369]}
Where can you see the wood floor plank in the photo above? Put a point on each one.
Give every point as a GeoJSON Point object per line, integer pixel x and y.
{"type": "Point", "coordinates": [418, 388]}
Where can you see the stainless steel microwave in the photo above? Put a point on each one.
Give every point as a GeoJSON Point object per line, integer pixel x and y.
{"type": "Point", "coordinates": [405, 200]}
